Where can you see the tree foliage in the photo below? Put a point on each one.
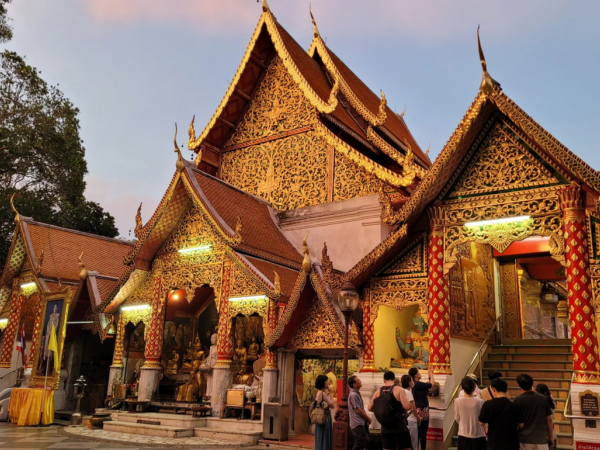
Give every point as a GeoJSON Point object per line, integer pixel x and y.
{"type": "Point", "coordinates": [42, 158]}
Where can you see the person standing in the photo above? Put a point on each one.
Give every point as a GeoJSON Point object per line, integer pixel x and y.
{"type": "Point", "coordinates": [394, 429]}
{"type": "Point", "coordinates": [420, 391]}
{"type": "Point", "coordinates": [413, 419]}
{"type": "Point", "coordinates": [487, 393]}
{"type": "Point", "coordinates": [471, 435]}
{"type": "Point", "coordinates": [359, 419]}
{"type": "Point", "coordinates": [542, 388]}
{"type": "Point", "coordinates": [538, 428]}
{"type": "Point", "coordinates": [476, 392]}
{"type": "Point", "coordinates": [324, 432]}
{"type": "Point", "coordinates": [502, 417]}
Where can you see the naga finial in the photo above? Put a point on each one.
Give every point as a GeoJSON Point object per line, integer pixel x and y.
{"type": "Point", "coordinates": [428, 150]}
{"type": "Point", "coordinates": [83, 272]}
{"type": "Point", "coordinates": [12, 206]}
{"type": "Point", "coordinates": [265, 5]}
{"type": "Point", "coordinates": [306, 264]}
{"type": "Point", "coordinates": [487, 82]}
{"type": "Point", "coordinates": [137, 232]}
{"type": "Point", "coordinates": [238, 226]}
{"type": "Point", "coordinates": [191, 130]}
{"type": "Point", "coordinates": [277, 282]}
{"type": "Point", "coordinates": [314, 22]}
{"type": "Point", "coordinates": [403, 112]}
{"type": "Point", "coordinates": [180, 164]}
{"type": "Point", "coordinates": [40, 261]}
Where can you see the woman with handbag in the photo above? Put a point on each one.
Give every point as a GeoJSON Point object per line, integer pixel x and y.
{"type": "Point", "coordinates": [320, 415]}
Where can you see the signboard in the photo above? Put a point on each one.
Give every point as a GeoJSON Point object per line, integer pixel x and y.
{"type": "Point", "coordinates": [435, 434]}
{"type": "Point", "coordinates": [587, 446]}
{"type": "Point", "coordinates": [590, 403]}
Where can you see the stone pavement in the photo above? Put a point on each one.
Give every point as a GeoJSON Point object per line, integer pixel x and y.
{"type": "Point", "coordinates": [57, 437]}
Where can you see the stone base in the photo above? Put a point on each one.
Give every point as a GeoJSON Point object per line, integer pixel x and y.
{"type": "Point", "coordinates": [581, 433]}
{"type": "Point", "coordinates": [149, 381]}
{"type": "Point", "coordinates": [221, 379]}
{"type": "Point", "coordinates": [60, 396]}
{"type": "Point", "coordinates": [147, 429]}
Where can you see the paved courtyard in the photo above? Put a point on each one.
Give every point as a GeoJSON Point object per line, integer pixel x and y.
{"type": "Point", "coordinates": [57, 437]}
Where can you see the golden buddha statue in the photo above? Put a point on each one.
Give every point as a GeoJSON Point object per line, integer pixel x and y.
{"type": "Point", "coordinates": [196, 385]}
{"type": "Point", "coordinates": [189, 392]}
{"type": "Point", "coordinates": [253, 350]}
{"type": "Point", "coordinates": [193, 358]}
{"type": "Point", "coordinates": [240, 353]}
{"type": "Point", "coordinates": [172, 364]}
{"type": "Point", "coordinates": [244, 378]}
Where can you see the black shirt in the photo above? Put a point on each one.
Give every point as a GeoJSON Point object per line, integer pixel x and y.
{"type": "Point", "coordinates": [535, 410]}
{"type": "Point", "coordinates": [398, 409]}
{"type": "Point", "coordinates": [419, 392]}
{"type": "Point", "coordinates": [503, 418]}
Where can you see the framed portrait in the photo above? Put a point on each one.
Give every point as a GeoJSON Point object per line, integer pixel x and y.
{"type": "Point", "coordinates": [56, 309]}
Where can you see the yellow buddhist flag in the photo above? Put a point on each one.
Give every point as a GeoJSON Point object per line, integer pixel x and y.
{"type": "Point", "coordinates": [53, 345]}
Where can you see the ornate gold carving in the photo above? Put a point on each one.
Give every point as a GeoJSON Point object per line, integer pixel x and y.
{"type": "Point", "coordinates": [136, 316]}
{"type": "Point", "coordinates": [399, 300]}
{"type": "Point", "coordinates": [406, 161]}
{"type": "Point", "coordinates": [511, 309]}
{"type": "Point", "coordinates": [350, 180]}
{"type": "Point", "coordinates": [472, 298]}
{"type": "Point", "coordinates": [394, 284]}
{"type": "Point", "coordinates": [520, 203]}
{"type": "Point", "coordinates": [500, 236]}
{"type": "Point", "coordinates": [330, 278]}
{"type": "Point", "coordinates": [388, 215]}
{"type": "Point", "coordinates": [409, 263]}
{"type": "Point", "coordinates": [501, 164]}
{"type": "Point", "coordinates": [306, 263]}
{"type": "Point", "coordinates": [315, 100]}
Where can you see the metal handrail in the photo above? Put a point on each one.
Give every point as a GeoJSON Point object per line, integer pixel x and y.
{"type": "Point", "coordinates": [475, 356]}
{"type": "Point", "coordinates": [568, 416]}
{"type": "Point", "coordinates": [11, 372]}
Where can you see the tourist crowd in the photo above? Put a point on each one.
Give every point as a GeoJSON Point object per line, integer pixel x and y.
{"type": "Point", "coordinates": [488, 419]}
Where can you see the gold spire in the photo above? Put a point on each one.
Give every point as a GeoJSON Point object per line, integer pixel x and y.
{"type": "Point", "coordinates": [137, 232]}
{"type": "Point", "coordinates": [487, 82]}
{"type": "Point", "coordinates": [83, 272]}
{"type": "Point", "coordinates": [314, 22]}
{"type": "Point", "coordinates": [180, 164]}
{"type": "Point", "coordinates": [382, 105]}
{"type": "Point", "coordinates": [306, 264]}
{"type": "Point", "coordinates": [12, 206]}
{"type": "Point", "coordinates": [277, 282]}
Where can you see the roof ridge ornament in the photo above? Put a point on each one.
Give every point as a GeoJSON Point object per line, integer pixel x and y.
{"type": "Point", "coordinates": [306, 264]}
{"type": "Point", "coordinates": [180, 164]}
{"type": "Point", "coordinates": [83, 273]}
{"type": "Point", "coordinates": [381, 113]}
{"type": "Point", "coordinates": [487, 82]}
{"type": "Point", "coordinates": [137, 232]}
{"type": "Point", "coordinates": [265, 6]}
{"type": "Point", "coordinates": [314, 22]}
{"type": "Point", "coordinates": [12, 206]}
{"type": "Point", "coordinates": [277, 282]}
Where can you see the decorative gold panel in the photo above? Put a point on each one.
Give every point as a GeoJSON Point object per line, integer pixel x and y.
{"type": "Point", "coordinates": [351, 181]}
{"type": "Point", "coordinates": [501, 164]}
{"type": "Point", "coordinates": [136, 316]}
{"type": "Point", "coordinates": [472, 297]}
{"type": "Point", "coordinates": [520, 203]}
{"type": "Point", "coordinates": [318, 331]}
{"type": "Point", "coordinates": [398, 294]}
{"type": "Point", "coordinates": [277, 106]}
{"type": "Point", "coordinates": [409, 263]}
{"type": "Point", "coordinates": [511, 309]}
{"type": "Point", "coordinates": [242, 285]}
{"type": "Point", "coordinates": [500, 236]}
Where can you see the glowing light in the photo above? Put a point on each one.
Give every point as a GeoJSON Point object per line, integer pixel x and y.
{"type": "Point", "coordinates": [194, 249]}
{"type": "Point", "coordinates": [481, 223]}
{"type": "Point", "coordinates": [134, 307]}
{"type": "Point", "coordinates": [26, 285]}
{"type": "Point", "coordinates": [175, 297]}
{"type": "Point", "coordinates": [251, 297]}
{"type": "Point", "coordinates": [3, 321]}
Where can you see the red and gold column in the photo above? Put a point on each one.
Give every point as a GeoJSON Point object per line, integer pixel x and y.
{"type": "Point", "coordinates": [225, 333]}
{"type": "Point", "coordinates": [439, 295]}
{"type": "Point", "coordinates": [154, 337]}
{"type": "Point", "coordinates": [8, 345]}
{"type": "Point", "coordinates": [271, 357]}
{"type": "Point", "coordinates": [36, 330]}
{"type": "Point", "coordinates": [368, 335]}
{"type": "Point", "coordinates": [119, 343]}
{"type": "Point", "coordinates": [584, 339]}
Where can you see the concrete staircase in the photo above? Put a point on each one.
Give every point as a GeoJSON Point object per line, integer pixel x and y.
{"type": "Point", "coordinates": [184, 425]}
{"type": "Point", "coordinates": [548, 361]}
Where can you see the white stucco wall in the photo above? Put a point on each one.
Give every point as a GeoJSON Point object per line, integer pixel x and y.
{"type": "Point", "coordinates": [351, 229]}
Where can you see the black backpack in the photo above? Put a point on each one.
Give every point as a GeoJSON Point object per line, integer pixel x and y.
{"type": "Point", "coordinates": [387, 408]}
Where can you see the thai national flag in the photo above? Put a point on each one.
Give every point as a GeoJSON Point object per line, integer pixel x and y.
{"type": "Point", "coordinates": [21, 346]}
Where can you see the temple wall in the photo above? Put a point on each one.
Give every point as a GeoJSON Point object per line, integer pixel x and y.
{"type": "Point", "coordinates": [334, 223]}
{"type": "Point", "coordinates": [462, 351]}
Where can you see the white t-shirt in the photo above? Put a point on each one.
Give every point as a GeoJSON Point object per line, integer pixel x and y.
{"type": "Point", "coordinates": [409, 396]}
{"type": "Point", "coordinates": [466, 413]}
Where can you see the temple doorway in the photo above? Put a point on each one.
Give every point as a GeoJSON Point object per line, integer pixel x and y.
{"type": "Point", "coordinates": [533, 290]}
{"type": "Point", "coordinates": [189, 324]}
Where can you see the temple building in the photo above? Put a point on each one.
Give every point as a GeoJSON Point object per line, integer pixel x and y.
{"type": "Point", "coordinates": [305, 182]}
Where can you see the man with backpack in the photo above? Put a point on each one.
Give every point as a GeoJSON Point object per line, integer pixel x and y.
{"type": "Point", "coordinates": [389, 404]}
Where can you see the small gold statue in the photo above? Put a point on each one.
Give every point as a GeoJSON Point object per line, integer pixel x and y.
{"type": "Point", "coordinates": [189, 391]}
{"type": "Point", "coordinates": [193, 358]}
{"type": "Point", "coordinates": [240, 353]}
{"type": "Point", "coordinates": [173, 364]}
{"type": "Point", "coordinates": [253, 350]}
{"type": "Point", "coordinates": [244, 378]}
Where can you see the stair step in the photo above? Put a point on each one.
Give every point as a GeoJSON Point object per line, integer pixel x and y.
{"type": "Point", "coordinates": [525, 365]}
{"type": "Point", "coordinates": [242, 437]}
{"type": "Point", "coordinates": [148, 430]}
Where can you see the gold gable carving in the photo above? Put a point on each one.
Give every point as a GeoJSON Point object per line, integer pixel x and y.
{"type": "Point", "coordinates": [501, 164]}
{"type": "Point", "coordinates": [317, 330]}
{"type": "Point", "coordinates": [409, 263]}
{"type": "Point", "coordinates": [351, 181]}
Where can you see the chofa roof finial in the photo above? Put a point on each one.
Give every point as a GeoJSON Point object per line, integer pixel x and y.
{"type": "Point", "coordinates": [180, 164]}
{"type": "Point", "coordinates": [487, 82]}
{"type": "Point", "coordinates": [139, 226]}
{"type": "Point", "coordinates": [83, 273]}
{"type": "Point", "coordinates": [265, 5]}
{"type": "Point", "coordinates": [306, 263]}
{"type": "Point", "coordinates": [314, 22]}
{"type": "Point", "coordinates": [12, 206]}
